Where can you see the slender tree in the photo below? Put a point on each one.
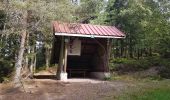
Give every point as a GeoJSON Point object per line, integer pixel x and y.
{"type": "Point", "coordinates": [28, 16]}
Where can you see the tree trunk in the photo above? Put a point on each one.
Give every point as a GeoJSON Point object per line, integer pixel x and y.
{"type": "Point", "coordinates": [121, 48]}
{"type": "Point", "coordinates": [32, 62]}
{"type": "Point", "coordinates": [117, 49]}
{"type": "Point", "coordinates": [26, 66]}
{"type": "Point", "coordinates": [150, 51]}
{"type": "Point", "coordinates": [26, 63]}
{"type": "Point", "coordinates": [130, 48]}
{"type": "Point", "coordinates": [138, 53]}
{"type": "Point", "coordinates": [35, 61]}
{"type": "Point", "coordinates": [18, 64]}
{"type": "Point", "coordinates": [47, 53]}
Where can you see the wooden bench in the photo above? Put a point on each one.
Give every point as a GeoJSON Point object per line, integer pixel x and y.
{"type": "Point", "coordinates": [80, 71]}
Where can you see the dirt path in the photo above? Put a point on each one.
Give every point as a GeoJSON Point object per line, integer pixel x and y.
{"type": "Point", "coordinates": [73, 90]}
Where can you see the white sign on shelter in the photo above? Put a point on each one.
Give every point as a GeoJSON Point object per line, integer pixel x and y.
{"type": "Point", "coordinates": [74, 47]}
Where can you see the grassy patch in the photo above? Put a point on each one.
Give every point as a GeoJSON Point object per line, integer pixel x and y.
{"type": "Point", "coordinates": [159, 90]}
{"type": "Point", "coordinates": [155, 94]}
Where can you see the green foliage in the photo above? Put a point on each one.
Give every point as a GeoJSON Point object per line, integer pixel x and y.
{"type": "Point", "coordinates": [2, 19]}
{"type": "Point", "coordinates": [41, 68]}
{"type": "Point", "coordinates": [100, 20]}
{"type": "Point", "coordinates": [124, 65]}
{"type": "Point", "coordinates": [107, 78]}
{"type": "Point", "coordinates": [120, 60]}
{"type": "Point", "coordinates": [35, 17]}
{"type": "Point", "coordinates": [5, 69]}
{"type": "Point", "coordinates": [88, 10]}
{"type": "Point", "coordinates": [146, 24]}
{"type": "Point", "coordinates": [162, 64]}
{"type": "Point", "coordinates": [40, 58]}
{"type": "Point", "coordinates": [165, 68]}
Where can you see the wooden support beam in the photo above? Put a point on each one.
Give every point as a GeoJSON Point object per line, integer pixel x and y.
{"type": "Point", "coordinates": [108, 53]}
{"type": "Point", "coordinates": [65, 55]}
{"type": "Point", "coordinates": [60, 65]}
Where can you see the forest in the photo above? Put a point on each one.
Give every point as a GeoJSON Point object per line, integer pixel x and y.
{"type": "Point", "coordinates": [26, 37]}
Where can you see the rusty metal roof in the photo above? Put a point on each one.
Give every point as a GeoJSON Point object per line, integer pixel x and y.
{"type": "Point", "coordinates": [86, 30]}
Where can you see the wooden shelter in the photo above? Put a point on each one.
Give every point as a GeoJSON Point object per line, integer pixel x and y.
{"type": "Point", "coordinates": [82, 49]}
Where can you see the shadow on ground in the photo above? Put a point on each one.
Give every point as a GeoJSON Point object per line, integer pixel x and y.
{"type": "Point", "coordinates": [45, 77]}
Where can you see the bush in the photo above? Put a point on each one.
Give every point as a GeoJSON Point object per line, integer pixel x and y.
{"type": "Point", "coordinates": [120, 60]}
{"type": "Point", "coordinates": [154, 61]}
{"type": "Point", "coordinates": [5, 69]}
{"type": "Point", "coordinates": [123, 65]}
{"type": "Point", "coordinates": [163, 65]}
{"type": "Point", "coordinates": [164, 69]}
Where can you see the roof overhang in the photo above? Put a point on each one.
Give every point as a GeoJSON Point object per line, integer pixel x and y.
{"type": "Point", "coordinates": [85, 35]}
{"type": "Point", "coordinates": [86, 30]}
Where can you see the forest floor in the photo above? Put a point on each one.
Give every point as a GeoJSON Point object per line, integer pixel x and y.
{"type": "Point", "coordinates": [48, 89]}
{"type": "Point", "coordinates": [80, 89]}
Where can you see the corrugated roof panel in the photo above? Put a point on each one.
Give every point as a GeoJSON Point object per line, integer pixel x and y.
{"type": "Point", "coordinates": [105, 30]}
{"type": "Point", "coordinates": [61, 26]}
{"type": "Point", "coordinates": [114, 31]}
{"type": "Point", "coordinates": [121, 34]}
{"type": "Point", "coordinates": [93, 28]}
{"type": "Point", "coordinates": [66, 28]}
{"type": "Point", "coordinates": [102, 32]}
{"type": "Point", "coordinates": [81, 31]}
{"type": "Point", "coordinates": [56, 27]}
{"type": "Point", "coordinates": [109, 32]}
{"type": "Point", "coordinates": [96, 29]}
{"type": "Point", "coordinates": [86, 29]}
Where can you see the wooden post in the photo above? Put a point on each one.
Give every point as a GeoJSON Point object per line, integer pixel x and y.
{"type": "Point", "coordinates": [60, 65]}
{"type": "Point", "coordinates": [65, 55]}
{"type": "Point", "coordinates": [109, 49]}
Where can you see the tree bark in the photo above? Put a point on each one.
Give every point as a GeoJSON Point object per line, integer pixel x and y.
{"type": "Point", "coordinates": [35, 61]}
{"type": "Point", "coordinates": [138, 53]}
{"type": "Point", "coordinates": [47, 57]}
{"type": "Point", "coordinates": [32, 62]}
{"type": "Point", "coordinates": [18, 64]}
{"type": "Point", "coordinates": [26, 66]}
{"type": "Point", "coordinates": [130, 48]}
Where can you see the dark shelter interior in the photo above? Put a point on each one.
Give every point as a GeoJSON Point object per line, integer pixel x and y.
{"type": "Point", "coordinates": [92, 58]}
